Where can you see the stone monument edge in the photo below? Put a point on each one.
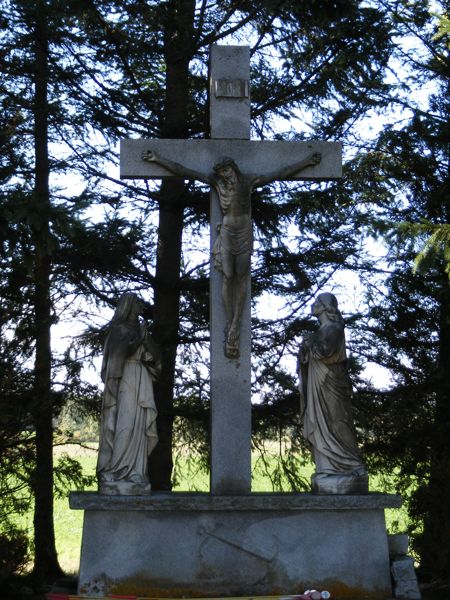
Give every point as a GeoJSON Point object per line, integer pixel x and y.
{"type": "Point", "coordinates": [264, 501]}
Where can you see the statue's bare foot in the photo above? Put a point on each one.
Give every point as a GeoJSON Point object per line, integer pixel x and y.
{"type": "Point", "coordinates": [232, 343]}
{"type": "Point", "coordinates": [231, 350]}
{"type": "Point", "coordinates": [233, 334]}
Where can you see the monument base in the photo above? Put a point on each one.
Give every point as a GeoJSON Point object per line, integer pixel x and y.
{"type": "Point", "coordinates": [198, 545]}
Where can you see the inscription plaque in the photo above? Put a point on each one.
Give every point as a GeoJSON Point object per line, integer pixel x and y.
{"type": "Point", "coordinates": [231, 88]}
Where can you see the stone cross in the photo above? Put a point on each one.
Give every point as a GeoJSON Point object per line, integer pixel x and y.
{"type": "Point", "coordinates": [258, 162]}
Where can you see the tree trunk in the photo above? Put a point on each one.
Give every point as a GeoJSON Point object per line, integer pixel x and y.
{"type": "Point", "coordinates": [46, 566]}
{"type": "Point", "coordinates": [178, 35]}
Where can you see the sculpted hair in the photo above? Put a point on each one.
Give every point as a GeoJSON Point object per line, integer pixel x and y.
{"type": "Point", "coordinates": [330, 304]}
{"type": "Point", "coordinates": [225, 161]}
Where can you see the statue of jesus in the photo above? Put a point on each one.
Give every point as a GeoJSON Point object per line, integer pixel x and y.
{"type": "Point", "coordinates": [233, 248]}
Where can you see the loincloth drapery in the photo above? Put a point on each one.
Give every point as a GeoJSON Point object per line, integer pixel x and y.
{"type": "Point", "coordinates": [234, 241]}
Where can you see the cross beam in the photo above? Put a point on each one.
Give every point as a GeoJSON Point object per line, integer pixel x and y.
{"type": "Point", "coordinates": [252, 156]}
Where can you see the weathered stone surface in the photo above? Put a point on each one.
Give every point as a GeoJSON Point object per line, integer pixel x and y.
{"type": "Point", "coordinates": [123, 488]}
{"type": "Point", "coordinates": [398, 544]}
{"type": "Point", "coordinates": [404, 578]}
{"type": "Point", "coordinates": [229, 119]}
{"type": "Point", "coordinates": [231, 406]}
{"type": "Point", "coordinates": [340, 484]}
{"type": "Point", "coordinates": [231, 425]}
{"type": "Point", "coordinates": [263, 544]}
{"type": "Point", "coordinates": [255, 156]}
{"type": "Point", "coordinates": [178, 501]}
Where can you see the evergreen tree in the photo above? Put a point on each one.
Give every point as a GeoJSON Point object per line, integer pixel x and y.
{"type": "Point", "coordinates": [410, 318]}
{"type": "Point", "coordinates": [43, 243]}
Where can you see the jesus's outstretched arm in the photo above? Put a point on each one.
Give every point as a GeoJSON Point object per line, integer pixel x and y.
{"type": "Point", "coordinates": [174, 167]}
{"type": "Point", "coordinates": [286, 172]}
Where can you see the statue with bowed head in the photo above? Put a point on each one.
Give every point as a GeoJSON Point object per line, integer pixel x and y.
{"type": "Point", "coordinates": [128, 421]}
{"type": "Point", "coordinates": [325, 392]}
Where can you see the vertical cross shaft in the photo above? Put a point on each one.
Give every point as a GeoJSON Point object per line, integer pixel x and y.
{"type": "Point", "coordinates": [230, 379]}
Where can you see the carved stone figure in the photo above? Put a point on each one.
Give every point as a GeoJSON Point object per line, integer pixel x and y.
{"type": "Point", "coordinates": [325, 392]}
{"type": "Point", "coordinates": [233, 248]}
{"type": "Point", "coordinates": [128, 422]}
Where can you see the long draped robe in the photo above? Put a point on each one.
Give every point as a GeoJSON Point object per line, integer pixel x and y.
{"type": "Point", "coordinates": [128, 428]}
{"type": "Point", "coordinates": [328, 421]}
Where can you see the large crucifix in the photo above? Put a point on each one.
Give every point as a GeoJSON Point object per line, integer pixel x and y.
{"type": "Point", "coordinates": [232, 165]}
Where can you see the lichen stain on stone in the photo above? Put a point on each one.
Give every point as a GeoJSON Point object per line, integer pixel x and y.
{"type": "Point", "coordinates": [140, 585]}
{"type": "Point", "coordinates": [229, 483]}
{"type": "Point", "coordinates": [96, 586]}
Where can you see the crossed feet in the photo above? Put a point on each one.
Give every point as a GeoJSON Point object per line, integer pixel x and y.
{"type": "Point", "coordinates": [232, 342]}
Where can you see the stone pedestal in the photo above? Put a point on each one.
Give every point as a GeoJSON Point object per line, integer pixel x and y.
{"type": "Point", "coordinates": [340, 484]}
{"type": "Point", "coordinates": [123, 488]}
{"type": "Point", "coordinates": [197, 545]}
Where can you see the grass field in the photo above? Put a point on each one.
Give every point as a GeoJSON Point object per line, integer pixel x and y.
{"type": "Point", "coordinates": [68, 523]}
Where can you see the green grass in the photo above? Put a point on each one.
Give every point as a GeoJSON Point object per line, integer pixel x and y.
{"type": "Point", "coordinates": [69, 523]}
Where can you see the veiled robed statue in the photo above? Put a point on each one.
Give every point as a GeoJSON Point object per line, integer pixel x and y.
{"type": "Point", "coordinates": [325, 392]}
{"type": "Point", "coordinates": [128, 434]}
